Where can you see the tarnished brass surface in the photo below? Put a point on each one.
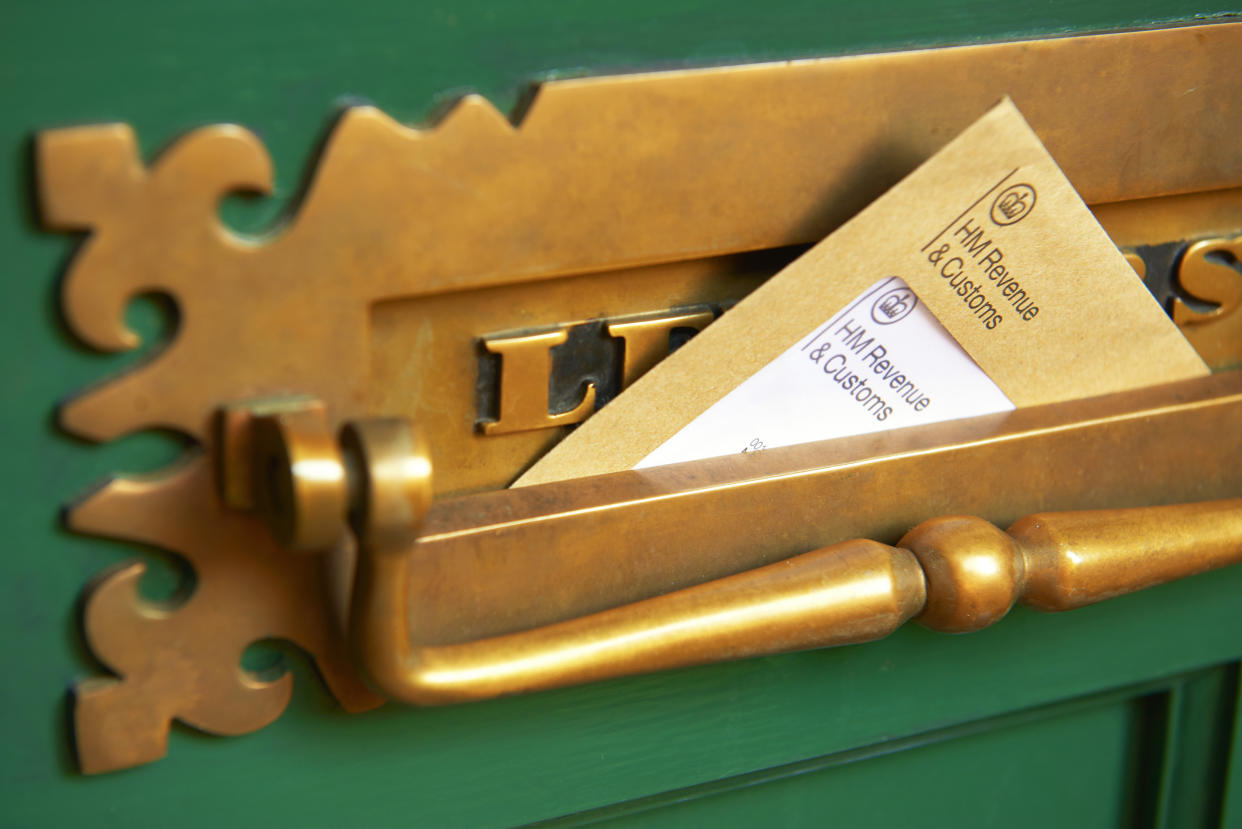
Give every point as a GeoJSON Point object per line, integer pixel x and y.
{"type": "Point", "coordinates": [1189, 216]}
{"type": "Point", "coordinates": [853, 592]}
{"type": "Point", "coordinates": [236, 448]}
{"type": "Point", "coordinates": [297, 460]}
{"type": "Point", "coordinates": [370, 297]}
{"type": "Point", "coordinates": [1077, 558]}
{"type": "Point", "coordinates": [526, 365]}
{"type": "Point", "coordinates": [182, 660]}
{"type": "Point", "coordinates": [1211, 271]}
{"type": "Point", "coordinates": [647, 340]}
{"type": "Point", "coordinates": [963, 575]}
{"type": "Point", "coordinates": [1143, 447]}
{"type": "Point", "coordinates": [407, 252]}
{"type": "Point", "coordinates": [974, 572]}
{"type": "Point", "coordinates": [588, 545]}
{"type": "Point", "coordinates": [1065, 560]}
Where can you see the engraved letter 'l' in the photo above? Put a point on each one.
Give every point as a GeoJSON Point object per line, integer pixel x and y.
{"type": "Point", "coordinates": [525, 371]}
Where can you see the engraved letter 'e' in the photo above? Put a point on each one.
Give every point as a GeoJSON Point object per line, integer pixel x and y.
{"type": "Point", "coordinates": [525, 372]}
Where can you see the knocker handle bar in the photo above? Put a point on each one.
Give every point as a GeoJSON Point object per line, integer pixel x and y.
{"type": "Point", "coordinates": [952, 573]}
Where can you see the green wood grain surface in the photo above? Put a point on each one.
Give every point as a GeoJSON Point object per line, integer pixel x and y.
{"type": "Point", "coordinates": [283, 69]}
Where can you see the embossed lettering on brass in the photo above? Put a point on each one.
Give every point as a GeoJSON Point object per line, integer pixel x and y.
{"type": "Point", "coordinates": [647, 341]}
{"type": "Point", "coordinates": [1211, 270]}
{"type": "Point", "coordinates": [405, 247]}
{"type": "Point", "coordinates": [526, 363]}
{"type": "Point", "coordinates": [525, 369]}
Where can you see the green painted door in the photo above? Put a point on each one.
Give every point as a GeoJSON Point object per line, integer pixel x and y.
{"type": "Point", "coordinates": [1119, 714]}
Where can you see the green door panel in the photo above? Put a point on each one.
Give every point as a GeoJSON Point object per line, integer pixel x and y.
{"type": "Point", "coordinates": [1122, 713]}
{"type": "Point", "coordinates": [1231, 809]}
{"type": "Point", "coordinates": [1032, 775]}
{"type": "Point", "coordinates": [1148, 755]}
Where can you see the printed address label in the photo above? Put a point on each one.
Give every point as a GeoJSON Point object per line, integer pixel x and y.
{"type": "Point", "coordinates": [883, 362]}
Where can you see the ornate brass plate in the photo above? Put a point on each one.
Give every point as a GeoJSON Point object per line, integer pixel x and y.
{"type": "Point", "coordinates": [493, 279]}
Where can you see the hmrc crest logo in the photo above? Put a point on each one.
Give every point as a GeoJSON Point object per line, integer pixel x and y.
{"type": "Point", "coordinates": [1013, 204]}
{"type": "Point", "coordinates": [893, 306]}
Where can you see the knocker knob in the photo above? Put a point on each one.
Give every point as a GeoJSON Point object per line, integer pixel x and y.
{"type": "Point", "coordinates": [282, 460]}
{"type": "Point", "coordinates": [388, 467]}
{"type": "Point", "coordinates": [1064, 560]}
{"type": "Point", "coordinates": [974, 572]}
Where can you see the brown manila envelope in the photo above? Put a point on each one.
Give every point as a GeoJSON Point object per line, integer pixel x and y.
{"type": "Point", "coordinates": [978, 284]}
